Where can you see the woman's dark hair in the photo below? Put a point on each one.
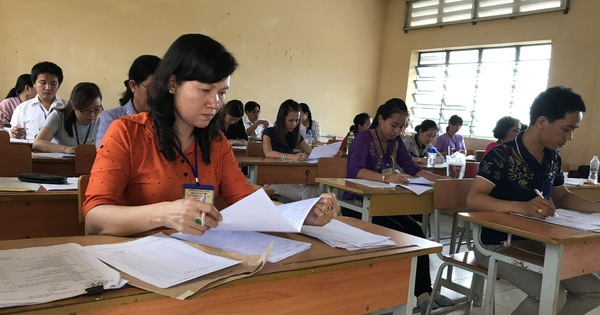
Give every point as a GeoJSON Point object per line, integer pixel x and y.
{"type": "Point", "coordinates": [141, 68]}
{"type": "Point", "coordinates": [82, 96]}
{"type": "Point", "coordinates": [305, 109]}
{"type": "Point", "coordinates": [359, 119]}
{"type": "Point", "coordinates": [555, 103]}
{"type": "Point", "coordinates": [426, 125]}
{"type": "Point", "coordinates": [390, 107]}
{"type": "Point", "coordinates": [282, 136]}
{"type": "Point", "coordinates": [233, 108]}
{"type": "Point", "coordinates": [503, 126]}
{"type": "Point", "coordinates": [454, 119]}
{"type": "Point", "coordinates": [22, 81]}
{"type": "Point", "coordinates": [192, 57]}
{"type": "Point", "coordinates": [251, 105]}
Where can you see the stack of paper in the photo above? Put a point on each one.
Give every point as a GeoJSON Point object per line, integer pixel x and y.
{"type": "Point", "coordinates": [340, 234]}
{"type": "Point", "coordinates": [14, 184]}
{"type": "Point", "coordinates": [248, 243]}
{"type": "Point", "coordinates": [159, 260]}
{"type": "Point", "coordinates": [43, 274]}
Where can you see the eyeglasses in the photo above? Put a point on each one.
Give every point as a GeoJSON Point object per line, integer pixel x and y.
{"type": "Point", "coordinates": [515, 130]}
{"type": "Point", "coordinates": [95, 111]}
{"type": "Point", "coordinates": [145, 86]}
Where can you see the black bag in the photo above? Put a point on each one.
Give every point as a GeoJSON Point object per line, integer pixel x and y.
{"type": "Point", "coordinates": [42, 178]}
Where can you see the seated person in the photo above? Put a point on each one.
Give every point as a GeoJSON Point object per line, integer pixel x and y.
{"type": "Point", "coordinates": [361, 123]}
{"type": "Point", "coordinates": [451, 139]}
{"type": "Point", "coordinates": [419, 144]}
{"type": "Point", "coordinates": [22, 92]}
{"type": "Point", "coordinates": [281, 141]}
{"type": "Point", "coordinates": [254, 125]}
{"type": "Point", "coordinates": [230, 121]}
{"type": "Point", "coordinates": [380, 155]}
{"type": "Point", "coordinates": [28, 118]}
{"type": "Point", "coordinates": [135, 98]}
{"type": "Point", "coordinates": [507, 128]}
{"type": "Point", "coordinates": [136, 184]}
{"type": "Point", "coordinates": [75, 124]}
{"type": "Point", "coordinates": [308, 124]}
{"type": "Point", "coordinates": [507, 181]}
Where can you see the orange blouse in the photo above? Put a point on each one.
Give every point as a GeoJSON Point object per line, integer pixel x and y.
{"type": "Point", "coordinates": [130, 170]}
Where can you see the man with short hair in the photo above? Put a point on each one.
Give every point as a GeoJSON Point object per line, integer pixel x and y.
{"type": "Point", "coordinates": [254, 125]}
{"type": "Point", "coordinates": [508, 178]}
{"type": "Point", "coordinates": [30, 115]}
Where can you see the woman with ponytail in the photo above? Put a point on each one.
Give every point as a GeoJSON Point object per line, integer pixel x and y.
{"type": "Point", "coordinates": [361, 123]}
{"type": "Point", "coordinates": [22, 91]}
{"type": "Point", "coordinates": [75, 124]}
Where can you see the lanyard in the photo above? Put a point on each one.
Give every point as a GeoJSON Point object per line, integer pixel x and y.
{"type": "Point", "coordinates": [194, 169]}
{"type": "Point", "coordinates": [383, 153]}
{"type": "Point", "coordinates": [43, 111]}
{"type": "Point", "coordinates": [77, 133]}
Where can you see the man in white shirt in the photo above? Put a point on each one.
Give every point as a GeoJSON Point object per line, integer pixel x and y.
{"type": "Point", "coordinates": [254, 126]}
{"type": "Point", "coordinates": [30, 115]}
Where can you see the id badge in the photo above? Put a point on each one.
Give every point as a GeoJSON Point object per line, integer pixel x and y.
{"type": "Point", "coordinates": [387, 171]}
{"type": "Point", "coordinates": [203, 193]}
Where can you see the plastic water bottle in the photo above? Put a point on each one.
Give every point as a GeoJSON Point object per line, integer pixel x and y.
{"type": "Point", "coordinates": [349, 141]}
{"type": "Point", "coordinates": [594, 164]}
{"type": "Point", "coordinates": [431, 156]}
{"type": "Point", "coordinates": [309, 138]}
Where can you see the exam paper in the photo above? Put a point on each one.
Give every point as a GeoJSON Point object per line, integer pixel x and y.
{"type": "Point", "coordinates": [257, 213]}
{"type": "Point", "coordinates": [418, 185]}
{"type": "Point", "coordinates": [248, 243]}
{"type": "Point", "coordinates": [43, 274]}
{"type": "Point", "coordinates": [71, 184]}
{"type": "Point", "coordinates": [328, 150]}
{"type": "Point", "coordinates": [14, 184]}
{"type": "Point", "coordinates": [340, 234]}
{"type": "Point", "coordinates": [582, 221]}
{"type": "Point", "coordinates": [159, 260]}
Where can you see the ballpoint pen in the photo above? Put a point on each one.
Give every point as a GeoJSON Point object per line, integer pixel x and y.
{"type": "Point", "coordinates": [537, 192]}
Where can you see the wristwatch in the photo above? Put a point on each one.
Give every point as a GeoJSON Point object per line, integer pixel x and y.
{"type": "Point", "coordinates": [285, 156]}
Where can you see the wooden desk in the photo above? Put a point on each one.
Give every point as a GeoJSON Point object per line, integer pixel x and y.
{"type": "Point", "coordinates": [263, 171]}
{"type": "Point", "coordinates": [66, 165]}
{"type": "Point", "coordinates": [321, 280]}
{"type": "Point", "coordinates": [568, 253]}
{"type": "Point", "coordinates": [39, 214]}
{"type": "Point", "coordinates": [239, 151]}
{"type": "Point", "coordinates": [380, 201]}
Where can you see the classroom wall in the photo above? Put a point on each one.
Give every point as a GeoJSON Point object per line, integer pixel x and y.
{"type": "Point", "coordinates": [575, 41]}
{"type": "Point", "coordinates": [322, 52]}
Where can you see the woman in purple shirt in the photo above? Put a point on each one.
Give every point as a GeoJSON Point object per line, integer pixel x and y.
{"type": "Point", "coordinates": [380, 155]}
{"type": "Point", "coordinates": [451, 139]}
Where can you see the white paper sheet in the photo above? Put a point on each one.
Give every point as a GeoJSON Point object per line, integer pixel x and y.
{"type": "Point", "coordinates": [14, 184]}
{"type": "Point", "coordinates": [328, 150]}
{"type": "Point", "coordinates": [417, 185]}
{"type": "Point", "coordinates": [159, 260]}
{"type": "Point", "coordinates": [257, 213]}
{"type": "Point", "coordinates": [70, 185]}
{"type": "Point", "coordinates": [340, 234]}
{"type": "Point", "coordinates": [43, 274]}
{"type": "Point", "coordinates": [53, 155]}
{"type": "Point", "coordinates": [582, 221]}
{"type": "Point", "coordinates": [249, 243]}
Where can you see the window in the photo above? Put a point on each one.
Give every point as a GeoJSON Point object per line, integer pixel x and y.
{"type": "Point", "coordinates": [480, 85]}
{"type": "Point", "coordinates": [430, 13]}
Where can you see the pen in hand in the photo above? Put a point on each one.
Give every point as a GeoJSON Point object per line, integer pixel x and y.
{"type": "Point", "coordinates": [537, 192]}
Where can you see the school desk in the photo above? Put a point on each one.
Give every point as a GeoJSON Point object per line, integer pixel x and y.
{"type": "Point", "coordinates": [591, 192]}
{"type": "Point", "coordinates": [322, 280]}
{"type": "Point", "coordinates": [568, 253]}
{"type": "Point", "coordinates": [380, 201]}
{"type": "Point", "coordinates": [264, 171]}
{"type": "Point", "coordinates": [39, 214]}
{"type": "Point", "coordinates": [70, 166]}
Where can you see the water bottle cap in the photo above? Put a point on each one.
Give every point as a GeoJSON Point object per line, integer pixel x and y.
{"type": "Point", "coordinates": [432, 150]}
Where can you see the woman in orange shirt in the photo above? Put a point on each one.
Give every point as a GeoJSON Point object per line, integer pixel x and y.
{"type": "Point", "coordinates": [141, 166]}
